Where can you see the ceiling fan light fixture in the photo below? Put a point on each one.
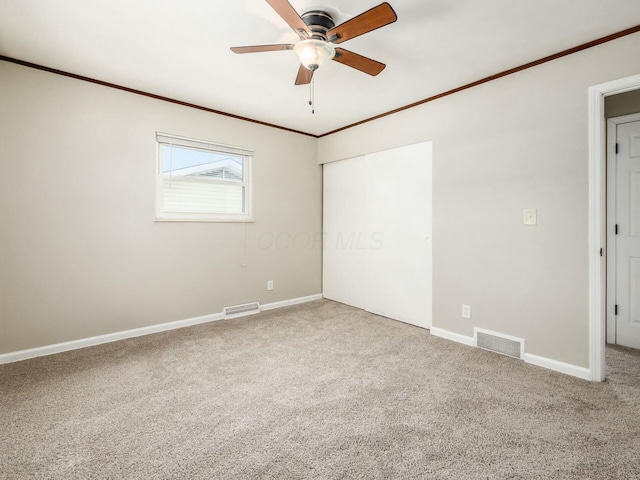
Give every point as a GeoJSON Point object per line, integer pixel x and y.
{"type": "Point", "coordinates": [313, 53]}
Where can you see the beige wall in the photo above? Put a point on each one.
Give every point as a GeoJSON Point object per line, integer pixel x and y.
{"type": "Point", "coordinates": [80, 253]}
{"type": "Point", "coordinates": [515, 143]}
{"type": "Point", "coordinates": [622, 104]}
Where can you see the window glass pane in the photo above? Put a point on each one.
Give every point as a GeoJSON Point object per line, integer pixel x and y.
{"type": "Point", "coordinates": [185, 195]}
{"type": "Point", "coordinates": [192, 162]}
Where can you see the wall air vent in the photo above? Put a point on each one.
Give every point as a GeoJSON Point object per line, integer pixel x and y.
{"type": "Point", "coordinates": [499, 343]}
{"type": "Point", "coordinates": [241, 310]}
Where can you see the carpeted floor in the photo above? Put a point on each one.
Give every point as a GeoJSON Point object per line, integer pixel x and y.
{"type": "Point", "coordinates": [320, 391]}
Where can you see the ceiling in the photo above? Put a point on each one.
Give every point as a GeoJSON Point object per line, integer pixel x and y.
{"type": "Point", "coordinates": [180, 49]}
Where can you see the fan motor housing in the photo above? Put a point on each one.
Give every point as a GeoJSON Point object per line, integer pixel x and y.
{"type": "Point", "coordinates": [319, 22]}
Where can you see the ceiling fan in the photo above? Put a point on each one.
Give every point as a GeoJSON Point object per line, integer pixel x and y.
{"type": "Point", "coordinates": [318, 33]}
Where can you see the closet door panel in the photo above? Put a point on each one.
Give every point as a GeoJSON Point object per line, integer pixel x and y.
{"type": "Point", "coordinates": [398, 219]}
{"type": "Point", "coordinates": [377, 233]}
{"type": "Point", "coordinates": [344, 204]}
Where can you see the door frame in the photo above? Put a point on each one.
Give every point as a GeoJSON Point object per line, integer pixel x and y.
{"type": "Point", "coordinates": [612, 138]}
{"type": "Point", "coordinates": [598, 218]}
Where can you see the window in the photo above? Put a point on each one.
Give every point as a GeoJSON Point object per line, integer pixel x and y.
{"type": "Point", "coordinates": [202, 181]}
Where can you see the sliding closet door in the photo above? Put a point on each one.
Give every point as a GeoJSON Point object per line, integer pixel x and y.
{"type": "Point", "coordinates": [344, 206]}
{"type": "Point", "coordinates": [398, 280]}
{"type": "Point", "coordinates": [377, 226]}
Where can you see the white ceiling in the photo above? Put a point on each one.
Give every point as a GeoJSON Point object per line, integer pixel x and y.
{"type": "Point", "coordinates": [180, 49]}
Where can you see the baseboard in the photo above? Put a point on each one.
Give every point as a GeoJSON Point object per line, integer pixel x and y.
{"type": "Point", "coordinates": [137, 332]}
{"type": "Point", "coordinates": [456, 337]}
{"type": "Point", "coordinates": [288, 303]}
{"type": "Point", "coordinates": [548, 363]}
{"type": "Point", "coordinates": [561, 367]}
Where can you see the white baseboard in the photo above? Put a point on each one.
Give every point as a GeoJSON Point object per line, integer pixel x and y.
{"type": "Point", "coordinates": [456, 337]}
{"type": "Point", "coordinates": [561, 367]}
{"type": "Point", "coordinates": [136, 332]}
{"type": "Point", "coordinates": [555, 365]}
{"type": "Point", "coordinates": [287, 303]}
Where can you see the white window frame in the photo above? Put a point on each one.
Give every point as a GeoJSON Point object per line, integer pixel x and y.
{"type": "Point", "coordinates": [179, 141]}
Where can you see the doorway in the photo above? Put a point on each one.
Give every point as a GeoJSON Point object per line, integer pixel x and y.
{"type": "Point", "coordinates": [598, 218]}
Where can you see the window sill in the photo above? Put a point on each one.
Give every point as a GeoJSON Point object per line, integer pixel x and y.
{"type": "Point", "coordinates": [205, 220]}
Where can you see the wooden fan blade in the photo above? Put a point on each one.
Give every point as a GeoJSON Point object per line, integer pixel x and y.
{"type": "Point", "coordinates": [262, 48]}
{"type": "Point", "coordinates": [289, 15]}
{"type": "Point", "coordinates": [304, 76]}
{"type": "Point", "coordinates": [358, 62]}
{"type": "Point", "coordinates": [370, 20]}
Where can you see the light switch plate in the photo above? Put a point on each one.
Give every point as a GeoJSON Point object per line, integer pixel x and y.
{"type": "Point", "coordinates": [530, 216]}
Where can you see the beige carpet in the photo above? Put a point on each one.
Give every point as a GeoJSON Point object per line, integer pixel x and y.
{"type": "Point", "coordinates": [320, 390]}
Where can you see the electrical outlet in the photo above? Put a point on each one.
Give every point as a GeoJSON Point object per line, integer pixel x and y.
{"type": "Point", "coordinates": [466, 311]}
{"type": "Point", "coordinates": [270, 285]}
{"type": "Point", "coordinates": [531, 216]}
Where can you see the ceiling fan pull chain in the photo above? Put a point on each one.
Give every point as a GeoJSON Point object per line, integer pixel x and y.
{"type": "Point", "coordinates": [312, 95]}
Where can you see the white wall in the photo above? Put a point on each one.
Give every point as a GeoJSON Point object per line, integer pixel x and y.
{"type": "Point", "coordinates": [514, 143]}
{"type": "Point", "coordinates": [80, 253]}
